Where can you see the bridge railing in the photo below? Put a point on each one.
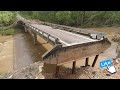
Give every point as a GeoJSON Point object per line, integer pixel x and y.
{"type": "Point", "coordinates": [91, 33]}
{"type": "Point", "coordinates": [44, 34]}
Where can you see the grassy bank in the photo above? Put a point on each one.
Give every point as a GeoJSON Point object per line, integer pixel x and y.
{"type": "Point", "coordinates": [11, 31]}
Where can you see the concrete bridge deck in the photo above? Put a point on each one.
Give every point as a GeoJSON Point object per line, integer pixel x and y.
{"type": "Point", "coordinates": [65, 37]}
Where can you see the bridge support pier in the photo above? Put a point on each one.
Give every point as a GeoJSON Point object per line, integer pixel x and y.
{"type": "Point", "coordinates": [96, 57]}
{"type": "Point", "coordinates": [34, 35]}
{"type": "Point", "coordinates": [48, 38]}
{"type": "Point", "coordinates": [57, 71]}
{"type": "Point", "coordinates": [73, 67]}
{"type": "Point", "coordinates": [56, 41]}
{"type": "Point", "coordinates": [86, 63]}
{"type": "Point", "coordinates": [42, 34]}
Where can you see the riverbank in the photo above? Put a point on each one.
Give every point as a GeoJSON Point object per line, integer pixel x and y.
{"type": "Point", "coordinates": [6, 54]}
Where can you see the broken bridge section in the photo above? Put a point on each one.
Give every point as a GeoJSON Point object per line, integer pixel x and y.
{"type": "Point", "coordinates": [70, 44]}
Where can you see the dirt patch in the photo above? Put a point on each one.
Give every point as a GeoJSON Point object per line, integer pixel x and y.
{"type": "Point", "coordinates": [116, 38]}
{"type": "Point", "coordinates": [108, 30]}
{"type": "Point", "coordinates": [4, 38]}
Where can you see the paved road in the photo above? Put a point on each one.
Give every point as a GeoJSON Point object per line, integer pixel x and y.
{"type": "Point", "coordinates": [66, 38]}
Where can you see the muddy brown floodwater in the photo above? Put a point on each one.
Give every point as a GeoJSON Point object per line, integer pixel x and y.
{"type": "Point", "coordinates": [26, 52]}
{"type": "Point", "coordinates": [6, 54]}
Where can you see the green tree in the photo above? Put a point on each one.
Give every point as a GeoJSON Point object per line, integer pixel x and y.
{"type": "Point", "coordinates": [77, 18]}
{"type": "Point", "coordinates": [6, 18]}
{"type": "Point", "coordinates": [63, 17]}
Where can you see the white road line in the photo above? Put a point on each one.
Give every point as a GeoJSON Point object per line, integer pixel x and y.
{"type": "Point", "coordinates": [71, 43]}
{"type": "Point", "coordinates": [64, 42]}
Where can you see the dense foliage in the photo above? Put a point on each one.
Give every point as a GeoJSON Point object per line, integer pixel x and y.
{"type": "Point", "coordinates": [7, 18]}
{"type": "Point", "coordinates": [76, 18]}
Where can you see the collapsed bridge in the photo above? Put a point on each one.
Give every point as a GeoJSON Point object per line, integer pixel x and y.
{"type": "Point", "coordinates": [69, 44]}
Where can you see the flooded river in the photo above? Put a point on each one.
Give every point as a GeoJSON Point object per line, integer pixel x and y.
{"type": "Point", "coordinates": [26, 52]}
